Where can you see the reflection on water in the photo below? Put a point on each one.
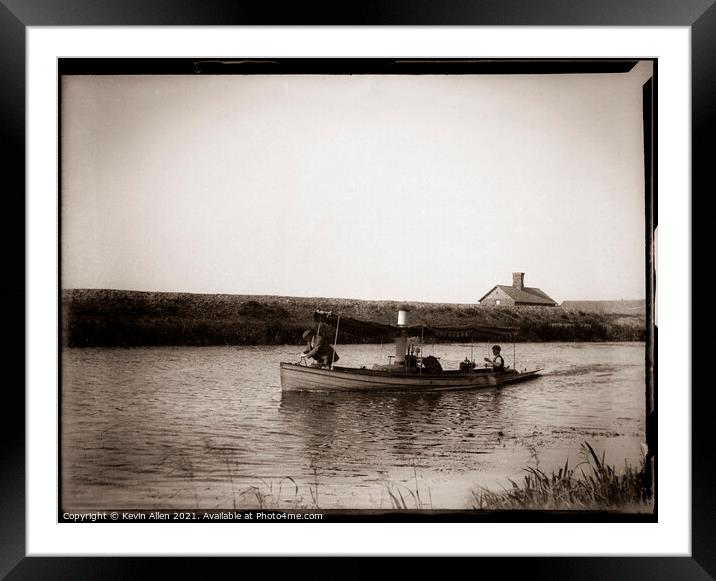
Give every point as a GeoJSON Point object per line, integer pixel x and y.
{"type": "Point", "coordinates": [210, 428]}
{"type": "Point", "coordinates": [420, 427]}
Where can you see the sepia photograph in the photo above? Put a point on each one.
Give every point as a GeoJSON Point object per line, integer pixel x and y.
{"type": "Point", "coordinates": [357, 289]}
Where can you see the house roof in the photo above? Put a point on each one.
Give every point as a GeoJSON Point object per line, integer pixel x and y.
{"type": "Point", "coordinates": [530, 295]}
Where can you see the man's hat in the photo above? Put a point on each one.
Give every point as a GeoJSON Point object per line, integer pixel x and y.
{"type": "Point", "coordinates": [308, 333]}
{"type": "Point", "coordinates": [497, 347]}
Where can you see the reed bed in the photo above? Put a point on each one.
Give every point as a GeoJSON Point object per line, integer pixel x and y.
{"type": "Point", "coordinates": [272, 495]}
{"type": "Point", "coordinates": [282, 493]}
{"type": "Point", "coordinates": [403, 497]}
{"type": "Point", "coordinates": [590, 485]}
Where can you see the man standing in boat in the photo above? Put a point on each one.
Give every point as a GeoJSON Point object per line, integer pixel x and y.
{"type": "Point", "coordinates": [319, 349]}
{"type": "Point", "coordinates": [497, 363]}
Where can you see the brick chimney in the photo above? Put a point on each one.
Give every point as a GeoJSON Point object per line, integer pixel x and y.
{"type": "Point", "coordinates": [518, 280]}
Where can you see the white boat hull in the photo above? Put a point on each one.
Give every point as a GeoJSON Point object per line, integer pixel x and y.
{"type": "Point", "coordinates": [295, 377]}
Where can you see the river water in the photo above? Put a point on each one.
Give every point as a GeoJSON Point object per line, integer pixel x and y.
{"type": "Point", "coordinates": [208, 427]}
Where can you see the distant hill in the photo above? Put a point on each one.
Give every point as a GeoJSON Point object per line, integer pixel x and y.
{"type": "Point", "coordinates": [637, 307]}
{"type": "Point", "coordinates": [133, 318]}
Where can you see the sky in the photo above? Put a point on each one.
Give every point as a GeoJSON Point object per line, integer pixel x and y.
{"type": "Point", "coordinates": [417, 188]}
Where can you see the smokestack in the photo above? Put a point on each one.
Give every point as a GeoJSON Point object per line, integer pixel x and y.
{"type": "Point", "coordinates": [518, 280]}
{"type": "Point", "coordinates": [401, 343]}
{"type": "Point", "coordinates": [403, 315]}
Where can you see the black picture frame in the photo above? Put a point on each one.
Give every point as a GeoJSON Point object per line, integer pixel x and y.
{"type": "Point", "coordinates": [17, 15]}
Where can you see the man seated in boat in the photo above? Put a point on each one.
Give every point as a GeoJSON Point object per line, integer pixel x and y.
{"type": "Point", "coordinates": [318, 348]}
{"type": "Point", "coordinates": [497, 363]}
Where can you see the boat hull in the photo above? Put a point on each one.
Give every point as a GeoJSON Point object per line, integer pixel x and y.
{"type": "Point", "coordinates": [295, 377]}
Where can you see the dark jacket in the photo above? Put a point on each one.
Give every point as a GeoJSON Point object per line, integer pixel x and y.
{"type": "Point", "coordinates": [320, 349]}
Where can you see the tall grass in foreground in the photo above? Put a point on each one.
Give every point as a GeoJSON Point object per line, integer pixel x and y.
{"type": "Point", "coordinates": [590, 485]}
{"type": "Point", "coordinates": [402, 497]}
{"type": "Point", "coordinates": [270, 497]}
{"type": "Point", "coordinates": [285, 494]}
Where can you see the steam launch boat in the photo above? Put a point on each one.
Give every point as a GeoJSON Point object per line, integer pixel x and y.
{"type": "Point", "coordinates": [408, 370]}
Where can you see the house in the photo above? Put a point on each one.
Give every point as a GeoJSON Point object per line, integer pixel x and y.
{"type": "Point", "coordinates": [516, 295]}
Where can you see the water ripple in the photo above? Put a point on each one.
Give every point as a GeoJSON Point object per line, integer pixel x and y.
{"type": "Point", "coordinates": [199, 427]}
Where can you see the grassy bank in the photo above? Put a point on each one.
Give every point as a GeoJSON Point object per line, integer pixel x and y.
{"type": "Point", "coordinates": [130, 318]}
{"type": "Point", "coordinates": [590, 485]}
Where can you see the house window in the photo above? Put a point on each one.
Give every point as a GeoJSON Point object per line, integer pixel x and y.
{"type": "Point", "coordinates": [497, 302]}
